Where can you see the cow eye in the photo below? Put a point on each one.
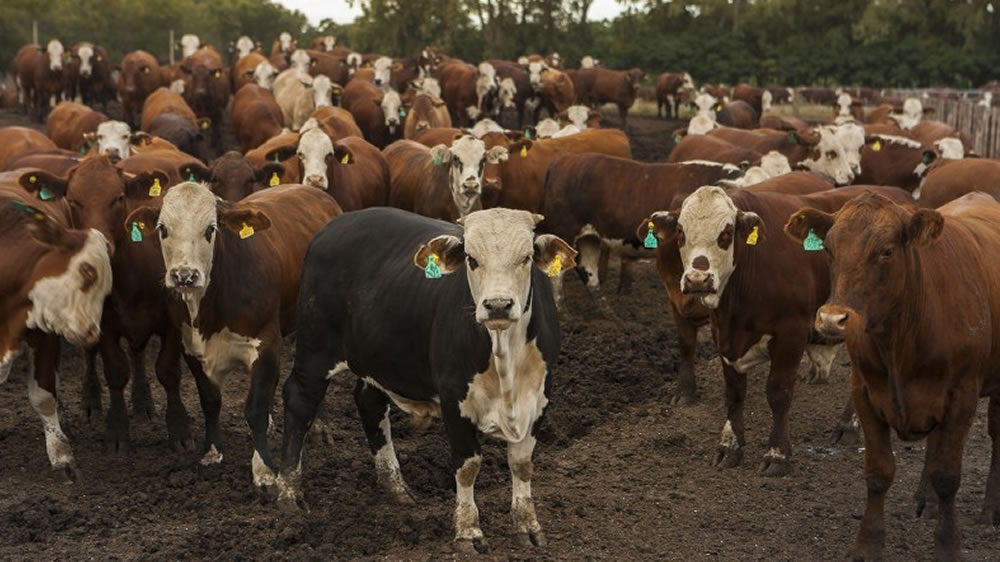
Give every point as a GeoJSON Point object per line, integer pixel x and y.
{"type": "Point", "coordinates": [89, 274]}
{"type": "Point", "coordinates": [163, 231]}
{"type": "Point", "coordinates": [886, 253]}
{"type": "Point", "coordinates": [680, 237]}
{"type": "Point", "coordinates": [473, 264]}
{"type": "Point", "coordinates": [831, 155]}
{"type": "Point", "coordinates": [527, 259]}
{"type": "Point", "coordinates": [210, 231]}
{"type": "Point", "coordinates": [726, 237]}
{"type": "Point", "coordinates": [119, 200]}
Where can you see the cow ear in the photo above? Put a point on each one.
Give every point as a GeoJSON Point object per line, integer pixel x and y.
{"type": "Point", "coordinates": [90, 137]}
{"type": "Point", "coordinates": [747, 223]}
{"type": "Point", "coordinates": [244, 222]}
{"type": "Point", "coordinates": [194, 171]}
{"type": "Point", "coordinates": [925, 225]}
{"type": "Point", "coordinates": [43, 228]}
{"type": "Point", "coordinates": [142, 219]}
{"type": "Point", "coordinates": [496, 154]}
{"type": "Point", "coordinates": [553, 254]}
{"type": "Point", "coordinates": [448, 254]}
{"type": "Point", "coordinates": [43, 185]}
{"type": "Point", "coordinates": [270, 174]}
{"type": "Point", "coordinates": [441, 154]}
{"type": "Point", "coordinates": [808, 220]}
{"type": "Point", "coordinates": [397, 67]}
{"type": "Point", "coordinates": [521, 147]}
{"type": "Point", "coordinates": [141, 138]}
{"type": "Point", "coordinates": [281, 153]}
{"type": "Point", "coordinates": [148, 184]}
{"type": "Point", "coordinates": [249, 71]}
{"type": "Point", "coordinates": [662, 225]}
{"type": "Point", "coordinates": [343, 154]}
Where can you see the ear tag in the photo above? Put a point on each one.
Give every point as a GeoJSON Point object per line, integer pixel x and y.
{"type": "Point", "coordinates": [877, 146]}
{"type": "Point", "coordinates": [191, 176]}
{"type": "Point", "coordinates": [275, 180]}
{"type": "Point", "coordinates": [437, 159]}
{"type": "Point", "coordinates": [926, 159]}
{"type": "Point", "coordinates": [677, 139]}
{"type": "Point", "coordinates": [524, 151]}
{"type": "Point", "coordinates": [556, 268]}
{"type": "Point", "coordinates": [402, 112]}
{"type": "Point", "coordinates": [204, 125]}
{"type": "Point", "coordinates": [718, 107]}
{"type": "Point", "coordinates": [136, 232]}
{"type": "Point", "coordinates": [527, 134]}
{"type": "Point", "coordinates": [44, 194]}
{"type": "Point", "coordinates": [346, 159]}
{"type": "Point", "coordinates": [84, 148]}
{"type": "Point", "coordinates": [28, 210]}
{"type": "Point", "coordinates": [752, 238]}
{"type": "Point", "coordinates": [432, 271]}
{"type": "Point", "coordinates": [276, 161]}
{"type": "Point", "coordinates": [155, 190]}
{"type": "Point", "coordinates": [812, 243]}
{"type": "Point", "coordinates": [791, 139]}
{"type": "Point", "coordinates": [650, 241]}
{"type": "Point", "coordinates": [246, 231]}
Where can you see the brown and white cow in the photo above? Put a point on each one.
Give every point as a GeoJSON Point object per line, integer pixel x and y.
{"type": "Point", "coordinates": [471, 92]}
{"type": "Point", "coordinates": [923, 348]}
{"type": "Point", "coordinates": [116, 140]}
{"type": "Point", "coordinates": [256, 117]}
{"type": "Point", "coordinates": [55, 281]}
{"type": "Point", "coordinates": [218, 257]}
{"type": "Point", "coordinates": [243, 47]}
{"type": "Point", "coordinates": [140, 76]}
{"type": "Point", "coordinates": [672, 89]}
{"type": "Point", "coordinates": [596, 86]}
{"type": "Point", "coordinates": [69, 123]}
{"type": "Point", "coordinates": [581, 116]}
{"type": "Point", "coordinates": [418, 173]}
{"type": "Point", "coordinates": [167, 115]}
{"type": "Point", "coordinates": [282, 49]}
{"type": "Point", "coordinates": [258, 157]}
{"type": "Point", "coordinates": [893, 160]}
{"type": "Point", "coordinates": [818, 149]}
{"type": "Point", "coordinates": [49, 78]}
{"type": "Point", "coordinates": [379, 114]}
{"type": "Point", "coordinates": [758, 98]}
{"type": "Point", "coordinates": [89, 75]}
{"type": "Point", "coordinates": [323, 43]}
{"type": "Point", "coordinates": [336, 122]}
{"type": "Point", "coordinates": [254, 68]}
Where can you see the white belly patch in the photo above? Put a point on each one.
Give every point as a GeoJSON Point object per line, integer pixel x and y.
{"type": "Point", "coordinates": [420, 410]}
{"type": "Point", "coordinates": [508, 414]}
{"type": "Point", "coordinates": [221, 353]}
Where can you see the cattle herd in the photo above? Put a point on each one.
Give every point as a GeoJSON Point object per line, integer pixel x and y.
{"type": "Point", "coordinates": [412, 219]}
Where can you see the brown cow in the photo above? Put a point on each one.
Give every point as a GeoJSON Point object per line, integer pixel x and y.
{"type": "Point", "coordinates": [140, 76]}
{"type": "Point", "coordinates": [324, 43]}
{"type": "Point", "coordinates": [335, 67]}
{"type": "Point", "coordinates": [758, 98]}
{"type": "Point", "coordinates": [427, 112]}
{"type": "Point", "coordinates": [721, 92]}
{"type": "Point", "coordinates": [281, 50]}
{"type": "Point", "coordinates": [353, 171]}
{"type": "Point", "coordinates": [377, 113]}
{"type": "Point", "coordinates": [418, 174]}
{"type": "Point", "coordinates": [597, 86]}
{"type": "Point", "coordinates": [817, 149]}
{"type": "Point", "coordinates": [471, 92]}
{"type": "Point", "coordinates": [56, 162]}
{"type": "Point", "coordinates": [738, 114]}
{"type": "Point", "coordinates": [89, 75]}
{"type": "Point", "coordinates": [927, 131]}
{"type": "Point", "coordinates": [336, 122]}
{"type": "Point", "coordinates": [23, 69]}
{"type": "Point", "coordinates": [893, 160]}
{"type": "Point", "coordinates": [232, 177]}
{"type": "Point", "coordinates": [821, 96]}
{"type": "Point", "coordinates": [753, 319]}
{"type": "Point", "coordinates": [671, 90]}
{"type": "Point", "coordinates": [206, 88]}
{"type": "Point", "coordinates": [713, 149]}
{"type": "Point", "coordinates": [15, 141]}
{"type": "Point", "coordinates": [55, 281]}
{"type": "Point", "coordinates": [256, 116]}
{"type": "Point", "coordinates": [253, 69]}
{"type": "Point", "coordinates": [258, 156]}
{"type": "Point", "coordinates": [166, 114]}
{"type": "Point", "coordinates": [917, 298]}
{"type": "Point", "coordinates": [237, 267]}
{"type": "Point", "coordinates": [69, 123]}
{"type": "Point", "coordinates": [950, 179]}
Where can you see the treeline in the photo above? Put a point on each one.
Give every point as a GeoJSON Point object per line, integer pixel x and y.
{"type": "Point", "coordinates": [882, 43]}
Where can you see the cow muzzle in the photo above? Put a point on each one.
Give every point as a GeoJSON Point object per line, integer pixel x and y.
{"type": "Point", "coordinates": [316, 181]}
{"type": "Point", "coordinates": [184, 277]}
{"type": "Point", "coordinates": [698, 282]}
{"type": "Point", "coordinates": [499, 313]}
{"type": "Point", "coordinates": [831, 320]}
{"type": "Point", "coordinates": [114, 155]}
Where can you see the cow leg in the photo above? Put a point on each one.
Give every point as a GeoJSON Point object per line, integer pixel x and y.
{"type": "Point", "coordinates": [466, 459]}
{"type": "Point", "coordinates": [660, 102]}
{"type": "Point", "coordinates": [991, 505]}
{"type": "Point", "coordinates": [880, 469]}
{"type": "Point", "coordinates": [42, 394]}
{"type": "Point", "coordinates": [780, 388]}
{"type": "Point", "coordinates": [522, 507]}
{"type": "Point", "coordinates": [92, 388]}
{"type": "Point", "coordinates": [687, 335]}
{"type": "Point", "coordinates": [623, 113]}
{"type": "Point", "coordinates": [848, 428]}
{"type": "Point", "coordinates": [625, 275]}
{"type": "Point", "coordinates": [263, 381]}
{"type": "Point", "coordinates": [603, 263]}
{"type": "Point", "coordinates": [168, 372]}
{"type": "Point", "coordinates": [373, 407]}
{"type": "Point", "coordinates": [116, 375]}
{"type": "Point", "coordinates": [142, 397]}
{"type": "Point", "coordinates": [924, 497]}
{"type": "Point", "coordinates": [730, 451]}
{"type": "Point", "coordinates": [944, 451]}
{"type": "Point", "coordinates": [821, 359]}
{"type": "Point", "coordinates": [211, 405]}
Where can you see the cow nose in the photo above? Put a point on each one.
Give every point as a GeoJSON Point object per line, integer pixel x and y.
{"type": "Point", "coordinates": [423, 125]}
{"type": "Point", "coordinates": [129, 89]}
{"type": "Point", "coordinates": [184, 276]}
{"type": "Point", "coordinates": [113, 154]}
{"type": "Point", "coordinates": [378, 81]}
{"type": "Point", "coordinates": [831, 323]}
{"type": "Point", "coordinates": [698, 281]}
{"type": "Point", "coordinates": [498, 308]}
{"type": "Point", "coordinates": [316, 181]}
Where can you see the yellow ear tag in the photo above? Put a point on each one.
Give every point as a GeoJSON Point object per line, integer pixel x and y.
{"type": "Point", "coordinates": [32, 179]}
{"type": "Point", "coordinates": [246, 231]}
{"type": "Point", "coordinates": [524, 151]}
{"type": "Point", "coordinates": [155, 189]}
{"type": "Point", "coordinates": [556, 268]}
{"type": "Point", "coordinates": [204, 125]}
{"type": "Point", "coordinates": [752, 238]}
{"type": "Point", "coordinates": [877, 146]}
{"type": "Point", "coordinates": [345, 159]}
{"type": "Point", "coordinates": [275, 180]}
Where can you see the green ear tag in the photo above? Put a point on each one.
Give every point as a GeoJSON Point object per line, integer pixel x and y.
{"type": "Point", "coordinates": [650, 241]}
{"type": "Point", "coordinates": [45, 195]}
{"type": "Point", "coordinates": [812, 243]}
{"type": "Point", "coordinates": [437, 159]}
{"type": "Point", "coordinates": [191, 176]}
{"type": "Point", "coordinates": [527, 134]}
{"type": "Point", "coordinates": [677, 139]}
{"type": "Point", "coordinates": [791, 139]}
{"type": "Point", "coordinates": [276, 158]}
{"type": "Point", "coordinates": [136, 233]}
{"type": "Point", "coordinates": [432, 271]}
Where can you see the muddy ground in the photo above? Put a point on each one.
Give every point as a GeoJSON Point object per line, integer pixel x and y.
{"type": "Point", "coordinates": [619, 473]}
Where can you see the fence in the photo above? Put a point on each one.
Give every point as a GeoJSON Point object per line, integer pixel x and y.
{"type": "Point", "coordinates": [980, 123]}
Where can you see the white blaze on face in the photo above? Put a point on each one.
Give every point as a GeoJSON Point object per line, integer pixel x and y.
{"type": "Point", "coordinates": [546, 128]}
{"type": "Point", "coordinates": [285, 41]}
{"type": "Point", "coordinates": [765, 101]}
{"type": "Point", "coordinates": [852, 138]}
{"type": "Point", "coordinates": [466, 159]}
{"type": "Point", "coordinates": [189, 44]}
{"type": "Point", "coordinates": [328, 42]}
{"type": "Point", "coordinates": [482, 128]}
{"type": "Point", "coordinates": [950, 148]}
{"type": "Point", "coordinates": [913, 111]}
{"type": "Point", "coordinates": [701, 124]}
{"type": "Point", "coordinates": [829, 158]}
{"type": "Point", "coordinates": [322, 89]}
{"type": "Point", "coordinates": [535, 70]}
{"type": "Point", "coordinates": [114, 139]}
{"type": "Point", "coordinates": [522, 60]}
{"type": "Point", "coordinates": [705, 215]}
{"type": "Point", "coordinates": [314, 149]}
{"type": "Point", "coordinates": [486, 81]}
{"type": "Point", "coordinates": [55, 51]}
{"type": "Point", "coordinates": [188, 227]}
{"type": "Point", "coordinates": [86, 53]}
{"type": "Point", "coordinates": [844, 103]}
{"type": "Point", "coordinates": [508, 91]}
{"type": "Point", "coordinates": [688, 83]}
{"type": "Point", "coordinates": [300, 60]}
{"type": "Point", "coordinates": [244, 46]}
{"type": "Point", "coordinates": [354, 60]}
{"type": "Point", "coordinates": [60, 305]}
{"type": "Point", "coordinates": [706, 104]}
{"type": "Point", "coordinates": [588, 62]}
{"type": "Point", "coordinates": [383, 71]}
{"type": "Point", "coordinates": [264, 74]}
{"type": "Point", "coordinates": [391, 107]}
{"type": "Point", "coordinates": [578, 115]}
{"type": "Point", "coordinates": [430, 86]}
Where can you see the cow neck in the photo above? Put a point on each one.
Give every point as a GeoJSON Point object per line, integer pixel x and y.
{"type": "Point", "coordinates": [508, 351]}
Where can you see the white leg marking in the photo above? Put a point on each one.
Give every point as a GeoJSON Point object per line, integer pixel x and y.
{"type": "Point", "coordinates": [262, 474]}
{"type": "Point", "coordinates": [774, 453]}
{"type": "Point", "coordinates": [337, 369]}
{"type": "Point", "coordinates": [522, 506]}
{"type": "Point", "coordinates": [728, 439]}
{"type": "Point", "coordinates": [52, 101]}
{"type": "Point", "coordinates": [56, 444]}
{"type": "Point", "coordinates": [386, 463]}
{"type": "Point", "coordinates": [466, 512]}
{"type": "Point", "coordinates": [288, 483]}
{"type": "Point", "coordinates": [213, 456]}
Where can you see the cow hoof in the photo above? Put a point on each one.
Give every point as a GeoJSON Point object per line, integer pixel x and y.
{"type": "Point", "coordinates": [773, 467]}
{"type": "Point", "coordinates": [815, 376]}
{"type": "Point", "coordinates": [683, 399]}
{"type": "Point", "coordinates": [142, 406]}
{"type": "Point", "coordinates": [728, 457]}
{"type": "Point", "coordinates": [927, 506]}
{"type": "Point", "coordinates": [472, 546]}
{"type": "Point", "coordinates": [70, 473]}
{"type": "Point", "coordinates": [291, 504]}
{"type": "Point", "coordinates": [530, 539]}
{"type": "Point", "coordinates": [846, 434]}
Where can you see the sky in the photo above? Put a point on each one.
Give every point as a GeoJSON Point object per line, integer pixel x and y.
{"type": "Point", "coordinates": [340, 12]}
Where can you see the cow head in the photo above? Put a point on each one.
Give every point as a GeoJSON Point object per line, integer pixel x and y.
{"type": "Point", "coordinates": [535, 70]}
{"type": "Point", "coordinates": [700, 124]}
{"type": "Point", "coordinates": [826, 154]}
{"type": "Point", "coordinates": [633, 78]}
{"type": "Point", "coordinates": [507, 93]}
{"type": "Point", "coordinates": [263, 74]}
{"type": "Point", "coordinates": [316, 152]}
{"type": "Point", "coordinates": [852, 137]}
{"type": "Point", "coordinates": [244, 46]}
{"type": "Point", "coordinates": [232, 177]}
{"type": "Point", "coordinates": [329, 41]}
{"type": "Point", "coordinates": [301, 61]}
{"type": "Point", "coordinates": [581, 116]}
{"type": "Point", "coordinates": [428, 85]}
{"type": "Point", "coordinates": [554, 60]}
{"type": "Point", "coordinates": [484, 127]}
{"type": "Point", "coordinates": [285, 42]}
{"type": "Point", "coordinates": [383, 71]}
{"type": "Point", "coordinates": [872, 246]}
{"type": "Point", "coordinates": [707, 229]}
{"type": "Point", "coordinates": [707, 105]}
{"type": "Point", "coordinates": [189, 224]}
{"type": "Point", "coordinates": [113, 138]}
{"type": "Point", "coordinates": [546, 128]}
{"type": "Point", "coordinates": [498, 249]}
{"type": "Point", "coordinates": [392, 106]}
{"type": "Point", "coordinates": [486, 80]}
{"type": "Point", "coordinates": [189, 43]}
{"type": "Point", "coordinates": [56, 52]}
{"type": "Point", "coordinates": [466, 159]}
{"type": "Point", "coordinates": [85, 56]}
{"type": "Point", "coordinates": [589, 62]}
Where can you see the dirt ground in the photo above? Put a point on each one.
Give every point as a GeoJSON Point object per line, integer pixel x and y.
{"type": "Point", "coordinates": [619, 473]}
